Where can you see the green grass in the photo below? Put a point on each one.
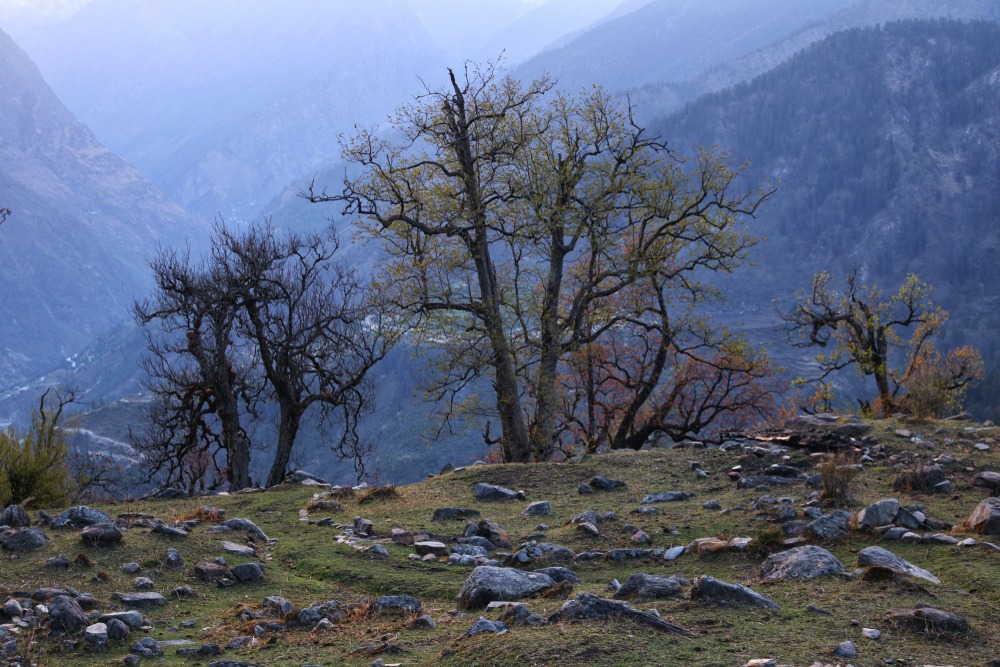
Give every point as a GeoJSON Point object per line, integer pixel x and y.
{"type": "Point", "coordinates": [307, 564]}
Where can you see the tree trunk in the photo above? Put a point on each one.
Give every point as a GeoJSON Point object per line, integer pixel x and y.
{"type": "Point", "coordinates": [288, 429]}
{"type": "Point", "coordinates": [543, 433]}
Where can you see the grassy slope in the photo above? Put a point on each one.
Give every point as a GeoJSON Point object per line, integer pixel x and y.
{"type": "Point", "coordinates": [306, 565]}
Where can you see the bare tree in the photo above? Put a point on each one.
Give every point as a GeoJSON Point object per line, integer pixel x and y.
{"type": "Point", "coordinates": [514, 225]}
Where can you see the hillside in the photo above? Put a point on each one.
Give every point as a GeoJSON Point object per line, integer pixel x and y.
{"type": "Point", "coordinates": [303, 558]}
{"type": "Point", "coordinates": [886, 151]}
{"type": "Point", "coordinates": [73, 254]}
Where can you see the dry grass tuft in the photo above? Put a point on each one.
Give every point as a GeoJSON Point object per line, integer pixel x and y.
{"type": "Point", "coordinates": [379, 493]}
{"type": "Point", "coordinates": [838, 473]}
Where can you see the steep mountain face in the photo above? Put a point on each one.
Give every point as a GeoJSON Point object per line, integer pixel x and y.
{"type": "Point", "coordinates": [73, 255]}
{"type": "Point", "coordinates": [223, 103]}
{"type": "Point", "coordinates": [885, 145]}
{"type": "Point", "coordinates": [669, 95]}
{"type": "Point", "coordinates": [674, 40]}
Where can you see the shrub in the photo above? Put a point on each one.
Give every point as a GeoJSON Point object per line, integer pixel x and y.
{"type": "Point", "coordinates": [936, 384]}
{"type": "Point", "coordinates": [34, 466]}
{"type": "Point", "coordinates": [837, 474]}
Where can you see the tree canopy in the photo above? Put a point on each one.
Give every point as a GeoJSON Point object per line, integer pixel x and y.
{"type": "Point", "coordinates": [525, 229]}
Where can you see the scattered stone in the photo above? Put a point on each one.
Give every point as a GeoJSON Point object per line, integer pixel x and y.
{"type": "Point", "coordinates": [79, 517]}
{"type": "Point", "coordinates": [584, 489]}
{"type": "Point", "coordinates": [25, 539]}
{"type": "Point", "coordinates": [487, 583]}
{"type": "Point", "coordinates": [881, 513]}
{"type": "Point", "coordinates": [878, 558]}
{"type": "Point", "coordinates": [66, 616]}
{"type": "Point", "coordinates": [161, 528]}
{"type": "Point", "coordinates": [426, 622]}
{"type": "Point", "coordinates": [132, 619]}
{"type": "Point", "coordinates": [846, 650]}
{"type": "Point", "coordinates": [560, 574]}
{"type": "Point", "coordinates": [61, 562]}
{"type": "Point", "coordinates": [248, 526]}
{"type": "Point", "coordinates": [585, 606]}
{"type": "Point", "coordinates": [712, 505]}
{"type": "Point", "coordinates": [117, 630]}
{"type": "Point", "coordinates": [710, 589]}
{"type": "Point", "coordinates": [543, 551]}
{"type": "Point", "coordinates": [483, 625]}
{"type": "Point", "coordinates": [449, 513]}
{"type": "Point", "coordinates": [673, 553]}
{"type": "Point", "coordinates": [641, 537]}
{"type": "Point", "coordinates": [806, 562]}
{"type": "Point", "coordinates": [101, 535]}
{"type": "Point", "coordinates": [494, 532]}
{"type": "Point", "coordinates": [12, 609]}
{"type": "Point", "coordinates": [928, 619]}
{"type": "Point", "coordinates": [183, 592]}
{"type": "Point", "coordinates": [988, 480]}
{"type": "Point", "coordinates": [363, 527]}
{"type": "Point", "coordinates": [538, 508]}
{"type": "Point", "coordinates": [378, 550]}
{"type": "Point", "coordinates": [131, 568]}
{"type": "Point", "coordinates": [144, 600]}
{"type": "Point", "coordinates": [833, 526]}
{"type": "Point", "coordinates": [239, 549]}
{"type": "Point", "coordinates": [651, 587]}
{"type": "Point", "coordinates": [667, 497]}
{"type": "Point", "coordinates": [247, 572]}
{"type": "Point", "coordinates": [939, 538]}
{"type": "Point", "coordinates": [143, 583]}
{"type": "Point", "coordinates": [15, 516]}
{"type": "Point", "coordinates": [96, 637]}
{"type": "Point", "coordinates": [209, 571]}
{"type": "Point", "coordinates": [489, 492]}
{"type": "Point", "coordinates": [762, 662]}
{"type": "Point", "coordinates": [601, 483]}
{"type": "Point", "coordinates": [588, 528]}
{"type": "Point", "coordinates": [871, 633]}
{"type": "Point", "coordinates": [438, 549]}
{"type": "Point", "coordinates": [590, 516]}
{"type": "Point", "coordinates": [924, 479]}
{"type": "Point", "coordinates": [985, 518]}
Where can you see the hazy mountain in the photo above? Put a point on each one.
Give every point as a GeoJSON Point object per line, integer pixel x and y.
{"type": "Point", "coordinates": [885, 143]}
{"type": "Point", "coordinates": [674, 40]}
{"type": "Point", "coordinates": [74, 254]}
{"type": "Point", "coordinates": [666, 96]}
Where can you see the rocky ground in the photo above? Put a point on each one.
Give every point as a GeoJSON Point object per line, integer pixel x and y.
{"type": "Point", "coordinates": [695, 555]}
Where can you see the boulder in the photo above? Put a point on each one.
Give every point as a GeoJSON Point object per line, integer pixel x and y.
{"type": "Point", "coordinates": [881, 513]}
{"type": "Point", "coordinates": [131, 618]}
{"type": "Point", "coordinates": [987, 480]}
{"type": "Point", "coordinates": [924, 479]}
{"type": "Point", "coordinates": [710, 589]}
{"type": "Point", "coordinates": [61, 562]}
{"type": "Point", "coordinates": [15, 516]}
{"type": "Point", "coordinates": [209, 571]}
{"type": "Point", "coordinates": [495, 533]}
{"type": "Point", "coordinates": [651, 587]}
{"type": "Point", "coordinates": [487, 583]}
{"type": "Point", "coordinates": [602, 483]}
{"type": "Point", "coordinates": [448, 513]}
{"type": "Point", "coordinates": [591, 607]}
{"type": "Point", "coordinates": [363, 527]}
{"type": "Point", "coordinates": [985, 518]}
{"type": "Point", "coordinates": [541, 551]}
{"type": "Point", "coordinates": [878, 558]}
{"type": "Point", "coordinates": [488, 492]}
{"type": "Point", "coordinates": [831, 526]}
{"type": "Point", "coordinates": [560, 574]}
{"type": "Point", "coordinates": [80, 516]}
{"type": "Point", "coordinates": [928, 619]}
{"type": "Point", "coordinates": [667, 497]}
{"type": "Point", "coordinates": [238, 549]}
{"type": "Point", "coordinates": [404, 603]}
{"type": "Point", "coordinates": [96, 637]}
{"type": "Point", "coordinates": [117, 630]}
{"type": "Point", "coordinates": [247, 572]}
{"type": "Point", "coordinates": [806, 562]}
{"type": "Point", "coordinates": [25, 539]}
{"type": "Point", "coordinates": [103, 534]}
{"type": "Point", "coordinates": [538, 508]}
{"type": "Point", "coordinates": [143, 600]}
{"type": "Point", "coordinates": [246, 525]}
{"type": "Point", "coordinates": [66, 616]}
{"type": "Point", "coordinates": [431, 547]}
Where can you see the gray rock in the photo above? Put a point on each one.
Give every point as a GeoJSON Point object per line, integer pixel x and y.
{"type": "Point", "coordinates": [66, 616]}
{"type": "Point", "coordinates": [585, 606]}
{"type": "Point", "coordinates": [483, 625]}
{"type": "Point", "coordinates": [173, 560]}
{"type": "Point", "coordinates": [667, 497]}
{"type": "Point", "coordinates": [363, 527]}
{"type": "Point", "coordinates": [588, 528]}
{"type": "Point", "coordinates": [807, 562]}
{"type": "Point", "coordinates": [478, 541]}
{"type": "Point", "coordinates": [560, 574]}
{"type": "Point", "coordinates": [928, 619]}
{"type": "Point", "coordinates": [96, 637]}
{"type": "Point", "coordinates": [712, 505]}
{"type": "Point", "coordinates": [431, 547]}
{"type": "Point", "coordinates": [25, 539]}
{"type": "Point", "coordinates": [846, 650]}
{"type": "Point", "coordinates": [161, 528]}
{"type": "Point", "coordinates": [144, 600]}
{"type": "Point", "coordinates": [61, 562]}
{"type": "Point", "coordinates": [378, 550]}
{"type": "Point", "coordinates": [755, 481]}
{"type": "Point", "coordinates": [602, 483]}
{"type": "Point", "coordinates": [495, 533]}
{"type": "Point", "coordinates": [538, 508]}
{"type": "Point", "coordinates": [584, 489]}
{"type": "Point", "coordinates": [486, 584]}
{"type": "Point", "coordinates": [117, 630]}
{"type": "Point", "coordinates": [939, 538]}
{"type": "Point", "coordinates": [143, 583]}
{"type": "Point", "coordinates": [881, 513]}
{"type": "Point", "coordinates": [871, 633]}
{"type": "Point", "coordinates": [544, 551]}
{"type": "Point", "coordinates": [488, 492]}
{"type": "Point", "coordinates": [590, 516]}
{"type": "Point", "coordinates": [277, 606]}
{"type": "Point", "coordinates": [469, 550]}
{"type": "Point", "coordinates": [673, 553]}
{"type": "Point", "coordinates": [651, 587]}
{"type": "Point", "coordinates": [246, 525]}
{"type": "Point", "coordinates": [922, 479]}
{"type": "Point", "coordinates": [209, 571]}
{"type": "Point", "coordinates": [426, 622]}
{"type": "Point", "coordinates": [12, 609]}
{"type": "Point", "coordinates": [883, 559]}
{"type": "Point", "coordinates": [985, 518]}
{"type": "Point", "coordinates": [894, 534]}
{"type": "Point", "coordinates": [449, 513]}
{"type": "Point", "coordinates": [247, 572]}
{"type": "Point", "coordinates": [80, 516]}
{"type": "Point", "coordinates": [183, 592]}
{"type": "Point", "coordinates": [15, 516]}
{"type": "Point", "coordinates": [622, 555]}
{"type": "Point", "coordinates": [132, 618]}
{"type": "Point", "coordinates": [103, 534]}
{"type": "Point", "coordinates": [710, 589]}
{"type": "Point", "coordinates": [304, 478]}
{"type": "Point", "coordinates": [988, 480]}
{"type": "Point", "coordinates": [131, 568]}
{"type": "Point", "coordinates": [404, 603]}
